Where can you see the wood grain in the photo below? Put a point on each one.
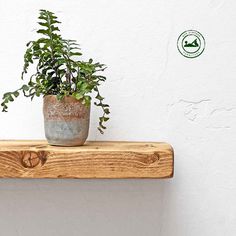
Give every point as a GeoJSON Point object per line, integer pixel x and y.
{"type": "Point", "coordinates": [36, 159]}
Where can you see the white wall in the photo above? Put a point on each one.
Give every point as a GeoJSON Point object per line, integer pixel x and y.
{"type": "Point", "coordinates": [155, 94]}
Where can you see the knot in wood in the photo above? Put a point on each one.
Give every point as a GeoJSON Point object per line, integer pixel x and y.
{"type": "Point", "coordinates": [32, 159]}
{"type": "Point", "coordinates": [152, 158]}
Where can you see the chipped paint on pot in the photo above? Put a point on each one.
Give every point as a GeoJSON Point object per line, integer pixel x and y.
{"type": "Point", "coordinates": [66, 122]}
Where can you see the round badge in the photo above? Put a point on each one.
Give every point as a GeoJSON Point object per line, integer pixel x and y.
{"type": "Point", "coordinates": [191, 44]}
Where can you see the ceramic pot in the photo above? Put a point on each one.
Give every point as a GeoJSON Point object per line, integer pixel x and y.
{"type": "Point", "coordinates": [66, 122]}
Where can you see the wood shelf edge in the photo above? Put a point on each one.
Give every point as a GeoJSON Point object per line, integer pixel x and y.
{"type": "Point", "coordinates": [103, 160]}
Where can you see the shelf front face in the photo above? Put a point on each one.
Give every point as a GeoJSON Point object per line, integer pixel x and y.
{"type": "Point", "coordinates": [37, 159]}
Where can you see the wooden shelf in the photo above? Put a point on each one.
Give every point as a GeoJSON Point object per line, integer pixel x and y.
{"type": "Point", "coordinates": [36, 159]}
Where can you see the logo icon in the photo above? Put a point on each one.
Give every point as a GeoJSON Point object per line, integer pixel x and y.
{"type": "Point", "coordinates": [191, 44]}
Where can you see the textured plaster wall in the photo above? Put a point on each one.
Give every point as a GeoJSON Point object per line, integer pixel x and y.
{"type": "Point", "coordinates": [155, 94]}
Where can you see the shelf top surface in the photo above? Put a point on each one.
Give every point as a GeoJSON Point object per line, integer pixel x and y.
{"type": "Point", "coordinates": [88, 146]}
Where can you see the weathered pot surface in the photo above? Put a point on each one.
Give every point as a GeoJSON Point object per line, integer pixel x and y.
{"type": "Point", "coordinates": [66, 122]}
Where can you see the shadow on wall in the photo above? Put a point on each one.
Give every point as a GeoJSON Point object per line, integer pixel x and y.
{"type": "Point", "coordinates": [91, 207]}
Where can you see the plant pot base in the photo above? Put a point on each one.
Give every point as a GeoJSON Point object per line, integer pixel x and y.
{"type": "Point", "coordinates": [65, 144]}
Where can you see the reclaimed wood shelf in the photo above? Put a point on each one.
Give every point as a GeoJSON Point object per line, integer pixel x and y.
{"type": "Point", "coordinates": [37, 159]}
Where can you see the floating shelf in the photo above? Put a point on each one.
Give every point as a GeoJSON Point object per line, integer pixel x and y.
{"type": "Point", "coordinates": [36, 159]}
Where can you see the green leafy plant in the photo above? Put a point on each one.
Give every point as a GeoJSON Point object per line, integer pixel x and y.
{"type": "Point", "coordinates": [58, 70]}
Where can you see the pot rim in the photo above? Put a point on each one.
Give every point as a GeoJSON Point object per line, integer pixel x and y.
{"type": "Point", "coordinates": [67, 99]}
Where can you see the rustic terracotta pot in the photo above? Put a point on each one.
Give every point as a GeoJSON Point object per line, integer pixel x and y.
{"type": "Point", "coordinates": [66, 122]}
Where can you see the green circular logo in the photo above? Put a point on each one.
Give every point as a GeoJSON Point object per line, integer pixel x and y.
{"type": "Point", "coordinates": [191, 44]}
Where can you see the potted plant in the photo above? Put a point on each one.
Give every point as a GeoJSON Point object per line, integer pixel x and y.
{"type": "Point", "coordinates": [65, 82]}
